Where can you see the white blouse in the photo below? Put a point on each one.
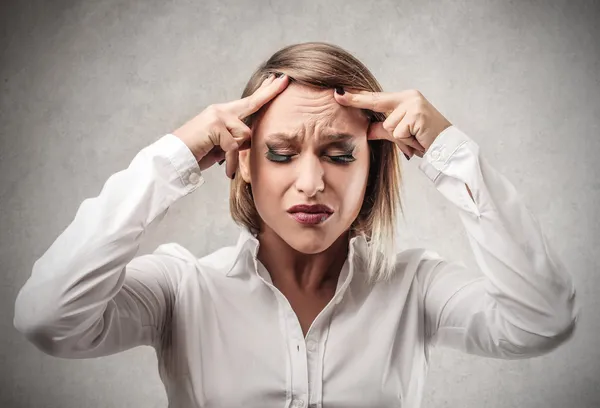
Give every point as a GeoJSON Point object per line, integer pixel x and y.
{"type": "Point", "coordinates": [226, 337]}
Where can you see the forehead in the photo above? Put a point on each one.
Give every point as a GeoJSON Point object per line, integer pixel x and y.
{"type": "Point", "coordinates": [309, 111]}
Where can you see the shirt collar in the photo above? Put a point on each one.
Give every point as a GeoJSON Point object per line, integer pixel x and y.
{"type": "Point", "coordinates": [248, 244]}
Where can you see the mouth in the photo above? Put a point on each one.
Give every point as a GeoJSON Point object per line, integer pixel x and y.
{"type": "Point", "coordinates": [310, 214]}
{"type": "Point", "coordinates": [310, 218]}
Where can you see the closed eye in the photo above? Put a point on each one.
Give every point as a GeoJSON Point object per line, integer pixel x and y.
{"type": "Point", "coordinates": [280, 158]}
{"type": "Point", "coordinates": [345, 158]}
{"type": "Point", "coordinates": [285, 158]}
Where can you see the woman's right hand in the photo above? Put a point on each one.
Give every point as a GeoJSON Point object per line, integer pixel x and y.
{"type": "Point", "coordinates": [218, 131]}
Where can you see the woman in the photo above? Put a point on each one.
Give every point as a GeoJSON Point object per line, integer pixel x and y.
{"type": "Point", "coordinates": [312, 307]}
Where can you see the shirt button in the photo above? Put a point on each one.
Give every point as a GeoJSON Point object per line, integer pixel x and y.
{"type": "Point", "coordinates": [194, 178]}
{"type": "Point", "coordinates": [311, 345]}
{"type": "Point", "coordinates": [435, 155]}
{"type": "Point", "coordinates": [298, 403]}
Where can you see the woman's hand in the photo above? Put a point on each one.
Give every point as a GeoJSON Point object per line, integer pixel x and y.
{"type": "Point", "coordinates": [218, 131]}
{"type": "Point", "coordinates": [413, 123]}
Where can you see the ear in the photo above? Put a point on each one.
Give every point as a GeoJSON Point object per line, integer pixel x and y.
{"type": "Point", "coordinates": [244, 165]}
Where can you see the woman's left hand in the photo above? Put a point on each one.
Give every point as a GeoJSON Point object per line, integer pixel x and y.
{"type": "Point", "coordinates": [413, 123]}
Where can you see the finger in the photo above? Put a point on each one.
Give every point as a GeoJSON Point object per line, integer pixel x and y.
{"type": "Point", "coordinates": [374, 101]}
{"type": "Point", "coordinates": [391, 122]}
{"type": "Point", "coordinates": [216, 153]}
{"type": "Point", "coordinates": [224, 140]}
{"type": "Point", "coordinates": [246, 106]}
{"type": "Point", "coordinates": [414, 143]}
{"type": "Point", "coordinates": [402, 133]}
{"type": "Point", "coordinates": [377, 132]}
{"type": "Point", "coordinates": [241, 134]}
{"type": "Point", "coordinates": [412, 152]}
{"type": "Point", "coordinates": [246, 144]}
{"type": "Point", "coordinates": [238, 129]}
{"type": "Point", "coordinates": [230, 145]}
{"type": "Point", "coordinates": [396, 125]}
{"type": "Point", "coordinates": [231, 163]}
{"type": "Point", "coordinates": [391, 125]}
{"type": "Point", "coordinates": [407, 150]}
{"type": "Point", "coordinates": [221, 137]}
{"type": "Point", "coordinates": [211, 158]}
{"type": "Point", "coordinates": [267, 80]}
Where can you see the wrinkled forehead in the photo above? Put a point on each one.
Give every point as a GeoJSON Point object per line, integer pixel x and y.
{"type": "Point", "coordinates": [309, 112]}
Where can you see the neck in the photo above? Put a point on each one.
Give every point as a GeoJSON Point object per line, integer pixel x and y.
{"type": "Point", "coordinates": [310, 273]}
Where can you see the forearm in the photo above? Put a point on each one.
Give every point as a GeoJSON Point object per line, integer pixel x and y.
{"type": "Point", "coordinates": [524, 304]}
{"type": "Point", "coordinates": [73, 282]}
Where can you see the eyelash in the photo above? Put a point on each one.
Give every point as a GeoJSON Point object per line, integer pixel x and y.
{"type": "Point", "coordinates": [340, 159]}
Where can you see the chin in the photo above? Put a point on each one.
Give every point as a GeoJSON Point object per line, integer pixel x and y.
{"type": "Point", "coordinates": [308, 241]}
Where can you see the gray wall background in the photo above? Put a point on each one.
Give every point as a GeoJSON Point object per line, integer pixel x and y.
{"type": "Point", "coordinates": [86, 85]}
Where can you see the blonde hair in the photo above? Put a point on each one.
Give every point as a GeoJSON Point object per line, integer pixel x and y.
{"type": "Point", "coordinates": [324, 65]}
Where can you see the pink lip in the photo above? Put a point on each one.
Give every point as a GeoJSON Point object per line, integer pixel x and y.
{"type": "Point", "coordinates": [310, 218]}
{"type": "Point", "coordinates": [314, 208]}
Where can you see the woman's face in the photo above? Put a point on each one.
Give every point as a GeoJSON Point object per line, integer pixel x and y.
{"type": "Point", "coordinates": [307, 149]}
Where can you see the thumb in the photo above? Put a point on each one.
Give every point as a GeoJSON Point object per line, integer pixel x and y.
{"type": "Point", "coordinates": [377, 132]}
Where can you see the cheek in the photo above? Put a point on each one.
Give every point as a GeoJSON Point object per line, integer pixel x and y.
{"type": "Point", "coordinates": [268, 184]}
{"type": "Point", "coordinates": [259, 168]}
{"type": "Point", "coordinates": [351, 189]}
{"type": "Point", "coordinates": [354, 186]}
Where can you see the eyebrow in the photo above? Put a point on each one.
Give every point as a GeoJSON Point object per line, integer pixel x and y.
{"type": "Point", "coordinates": [328, 138]}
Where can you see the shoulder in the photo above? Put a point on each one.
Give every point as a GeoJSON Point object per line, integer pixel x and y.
{"type": "Point", "coordinates": [430, 270]}
{"type": "Point", "coordinates": [416, 259]}
{"type": "Point", "coordinates": [217, 260]}
{"type": "Point", "coordinates": [404, 266]}
{"type": "Point", "coordinates": [175, 251]}
{"type": "Point", "coordinates": [174, 266]}
{"type": "Point", "coordinates": [170, 261]}
{"type": "Point", "coordinates": [416, 264]}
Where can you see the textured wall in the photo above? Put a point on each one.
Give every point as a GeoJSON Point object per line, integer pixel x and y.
{"type": "Point", "coordinates": [86, 85]}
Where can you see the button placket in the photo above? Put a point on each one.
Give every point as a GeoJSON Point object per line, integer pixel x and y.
{"type": "Point", "coordinates": [298, 360]}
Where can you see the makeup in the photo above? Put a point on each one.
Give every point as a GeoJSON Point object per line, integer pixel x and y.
{"type": "Point", "coordinates": [310, 214]}
{"type": "Point", "coordinates": [310, 218]}
{"type": "Point", "coordinates": [345, 156]}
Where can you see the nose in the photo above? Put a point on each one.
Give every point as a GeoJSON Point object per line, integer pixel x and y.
{"type": "Point", "coordinates": [309, 177]}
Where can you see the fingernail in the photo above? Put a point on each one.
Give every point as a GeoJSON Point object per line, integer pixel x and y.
{"type": "Point", "coordinates": [405, 155]}
{"type": "Point", "coordinates": [339, 90]}
{"type": "Point", "coordinates": [221, 162]}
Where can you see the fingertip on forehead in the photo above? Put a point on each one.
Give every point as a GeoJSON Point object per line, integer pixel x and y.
{"type": "Point", "coordinates": [297, 97]}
